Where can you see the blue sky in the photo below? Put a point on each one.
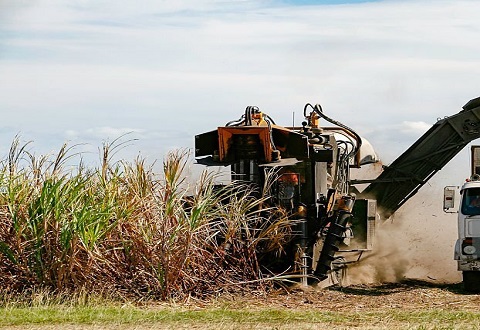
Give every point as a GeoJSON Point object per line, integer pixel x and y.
{"type": "Point", "coordinates": [88, 71]}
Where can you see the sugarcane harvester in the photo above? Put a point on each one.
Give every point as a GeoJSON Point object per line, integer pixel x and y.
{"type": "Point", "coordinates": [313, 181]}
{"type": "Point", "coordinates": [312, 168]}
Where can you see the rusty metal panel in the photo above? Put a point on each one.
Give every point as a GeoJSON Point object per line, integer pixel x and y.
{"type": "Point", "coordinates": [244, 142]}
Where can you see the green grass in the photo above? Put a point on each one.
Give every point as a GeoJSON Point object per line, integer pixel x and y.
{"type": "Point", "coordinates": [117, 315]}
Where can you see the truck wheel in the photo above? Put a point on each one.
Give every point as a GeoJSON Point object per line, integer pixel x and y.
{"type": "Point", "coordinates": [471, 281]}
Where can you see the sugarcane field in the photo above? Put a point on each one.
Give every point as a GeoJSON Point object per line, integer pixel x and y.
{"type": "Point", "coordinates": [308, 164]}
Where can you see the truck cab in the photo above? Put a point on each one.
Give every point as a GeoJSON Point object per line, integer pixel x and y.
{"type": "Point", "coordinates": [467, 246]}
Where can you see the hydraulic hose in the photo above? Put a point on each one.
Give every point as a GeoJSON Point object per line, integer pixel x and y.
{"type": "Point", "coordinates": [319, 111]}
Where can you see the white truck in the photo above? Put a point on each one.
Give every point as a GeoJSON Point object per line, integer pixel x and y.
{"type": "Point", "coordinates": [467, 246]}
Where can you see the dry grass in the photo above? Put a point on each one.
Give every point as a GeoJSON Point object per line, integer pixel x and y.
{"type": "Point", "coordinates": [121, 229]}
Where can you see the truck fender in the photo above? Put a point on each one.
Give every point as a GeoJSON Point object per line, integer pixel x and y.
{"type": "Point", "coordinates": [458, 250]}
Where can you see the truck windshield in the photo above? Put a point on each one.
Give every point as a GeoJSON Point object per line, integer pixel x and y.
{"type": "Point", "coordinates": [471, 201]}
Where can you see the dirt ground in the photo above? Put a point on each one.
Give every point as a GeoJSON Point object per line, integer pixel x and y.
{"type": "Point", "coordinates": [407, 295]}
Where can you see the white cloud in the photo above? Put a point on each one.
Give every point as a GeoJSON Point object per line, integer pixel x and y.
{"type": "Point", "coordinates": [170, 70]}
{"type": "Point", "coordinates": [414, 127]}
{"type": "Point", "coordinates": [105, 132]}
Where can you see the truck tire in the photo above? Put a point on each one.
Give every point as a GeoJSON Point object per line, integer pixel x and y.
{"type": "Point", "coordinates": [471, 281]}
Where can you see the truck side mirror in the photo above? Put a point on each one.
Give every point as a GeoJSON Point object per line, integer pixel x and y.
{"type": "Point", "coordinates": [449, 193]}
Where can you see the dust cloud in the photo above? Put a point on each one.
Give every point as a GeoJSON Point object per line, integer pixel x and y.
{"type": "Point", "coordinates": [417, 242]}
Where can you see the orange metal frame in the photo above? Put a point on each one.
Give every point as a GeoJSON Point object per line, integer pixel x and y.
{"type": "Point", "coordinates": [225, 135]}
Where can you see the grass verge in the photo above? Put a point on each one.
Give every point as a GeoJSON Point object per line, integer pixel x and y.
{"type": "Point", "coordinates": [224, 318]}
